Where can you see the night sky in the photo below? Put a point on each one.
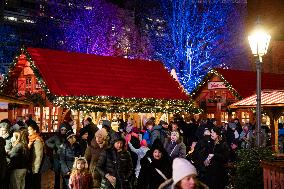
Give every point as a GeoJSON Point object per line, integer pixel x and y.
{"type": "Point", "coordinates": [271, 13]}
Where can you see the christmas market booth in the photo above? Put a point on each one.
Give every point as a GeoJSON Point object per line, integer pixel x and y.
{"type": "Point", "coordinates": [5, 100]}
{"type": "Point", "coordinates": [222, 87]}
{"type": "Point", "coordinates": [61, 84]}
{"type": "Point", "coordinates": [272, 104]}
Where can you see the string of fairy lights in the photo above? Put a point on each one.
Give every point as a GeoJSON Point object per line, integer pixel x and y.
{"type": "Point", "coordinates": [107, 103]}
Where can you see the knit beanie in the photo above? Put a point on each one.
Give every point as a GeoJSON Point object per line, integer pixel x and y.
{"type": "Point", "coordinates": [83, 131]}
{"type": "Point", "coordinates": [181, 169]}
{"type": "Point", "coordinates": [69, 134]}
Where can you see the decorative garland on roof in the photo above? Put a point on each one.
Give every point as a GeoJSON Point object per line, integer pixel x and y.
{"type": "Point", "coordinates": [227, 84]}
{"type": "Point", "coordinates": [123, 104]}
{"type": "Point", "coordinates": [125, 108]}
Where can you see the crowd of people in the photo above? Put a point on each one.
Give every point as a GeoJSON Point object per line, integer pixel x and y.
{"type": "Point", "coordinates": [178, 155]}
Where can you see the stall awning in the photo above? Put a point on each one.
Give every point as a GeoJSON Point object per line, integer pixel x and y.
{"type": "Point", "coordinates": [269, 98]}
{"type": "Point", "coordinates": [100, 83]}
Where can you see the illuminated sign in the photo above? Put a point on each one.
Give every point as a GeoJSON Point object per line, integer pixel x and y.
{"type": "Point", "coordinates": [216, 85]}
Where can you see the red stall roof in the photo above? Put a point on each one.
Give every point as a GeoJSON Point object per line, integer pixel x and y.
{"type": "Point", "coordinates": [245, 81]}
{"type": "Point", "coordinates": [76, 74]}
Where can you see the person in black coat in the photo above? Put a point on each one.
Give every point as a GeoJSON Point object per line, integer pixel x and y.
{"type": "Point", "coordinates": [54, 143]}
{"type": "Point", "coordinates": [115, 166]}
{"type": "Point", "coordinates": [190, 132]}
{"type": "Point", "coordinates": [83, 139]}
{"type": "Point", "coordinates": [216, 175]}
{"type": "Point", "coordinates": [238, 126]}
{"type": "Point", "coordinates": [228, 133]}
{"type": "Point", "coordinates": [156, 167]}
{"type": "Point", "coordinates": [3, 164]}
{"type": "Point", "coordinates": [91, 128]}
{"type": "Point", "coordinates": [200, 153]}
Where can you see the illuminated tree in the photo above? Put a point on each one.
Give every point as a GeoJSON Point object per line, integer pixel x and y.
{"type": "Point", "coordinates": [99, 27]}
{"type": "Point", "coordinates": [193, 37]}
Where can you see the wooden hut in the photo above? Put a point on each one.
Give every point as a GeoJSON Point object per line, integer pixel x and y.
{"type": "Point", "coordinates": [222, 87]}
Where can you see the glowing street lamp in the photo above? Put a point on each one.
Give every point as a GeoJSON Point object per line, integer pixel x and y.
{"type": "Point", "coordinates": [259, 42]}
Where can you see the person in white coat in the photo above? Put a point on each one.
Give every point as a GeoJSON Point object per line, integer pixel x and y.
{"type": "Point", "coordinates": [141, 152]}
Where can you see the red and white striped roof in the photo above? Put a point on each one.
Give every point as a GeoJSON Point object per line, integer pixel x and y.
{"type": "Point", "coordinates": [268, 98]}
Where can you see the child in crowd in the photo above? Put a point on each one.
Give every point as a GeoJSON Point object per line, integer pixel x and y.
{"type": "Point", "coordinates": [141, 152]}
{"type": "Point", "coordinates": [80, 177]}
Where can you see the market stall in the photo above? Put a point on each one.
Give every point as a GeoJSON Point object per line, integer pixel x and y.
{"type": "Point", "coordinates": [57, 82]}
{"type": "Point", "coordinates": [272, 104]}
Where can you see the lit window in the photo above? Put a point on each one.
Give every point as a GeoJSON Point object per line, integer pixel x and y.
{"type": "Point", "coordinates": [11, 18]}
{"type": "Point", "coordinates": [28, 83]}
{"type": "Point", "coordinates": [210, 116]}
{"type": "Point", "coordinates": [245, 117]}
{"type": "Point", "coordinates": [28, 21]}
{"type": "Point", "coordinates": [224, 117]}
{"type": "Point", "coordinates": [88, 7]}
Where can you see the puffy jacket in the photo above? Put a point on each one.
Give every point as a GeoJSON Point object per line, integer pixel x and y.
{"type": "Point", "coordinates": [67, 154]}
{"type": "Point", "coordinates": [116, 164]}
{"type": "Point", "coordinates": [92, 154]}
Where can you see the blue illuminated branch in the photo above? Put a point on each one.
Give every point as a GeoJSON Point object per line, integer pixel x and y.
{"type": "Point", "coordinates": [202, 36]}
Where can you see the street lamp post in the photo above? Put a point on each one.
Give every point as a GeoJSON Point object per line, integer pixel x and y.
{"type": "Point", "coordinates": [259, 41]}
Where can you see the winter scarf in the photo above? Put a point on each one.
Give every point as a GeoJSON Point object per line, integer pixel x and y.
{"type": "Point", "coordinates": [33, 138]}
